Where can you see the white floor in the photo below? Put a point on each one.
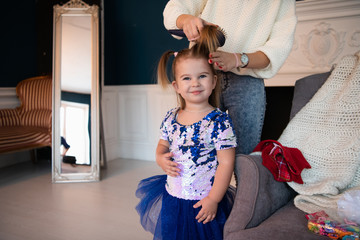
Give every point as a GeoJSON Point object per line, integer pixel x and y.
{"type": "Point", "coordinates": [31, 207]}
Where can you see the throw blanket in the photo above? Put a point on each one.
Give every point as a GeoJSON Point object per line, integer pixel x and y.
{"type": "Point", "coordinates": [327, 132]}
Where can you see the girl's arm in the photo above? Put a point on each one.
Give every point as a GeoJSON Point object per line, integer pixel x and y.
{"type": "Point", "coordinates": [226, 159]}
{"type": "Point", "coordinates": [163, 159]}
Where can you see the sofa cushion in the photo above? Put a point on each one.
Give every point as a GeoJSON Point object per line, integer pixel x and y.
{"type": "Point", "coordinates": [15, 138]}
{"type": "Point", "coordinates": [304, 90]}
{"type": "Point", "coordinates": [286, 223]}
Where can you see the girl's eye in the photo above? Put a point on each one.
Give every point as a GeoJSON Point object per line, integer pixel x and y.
{"type": "Point", "coordinates": [186, 78]}
{"type": "Point", "coordinates": [203, 76]}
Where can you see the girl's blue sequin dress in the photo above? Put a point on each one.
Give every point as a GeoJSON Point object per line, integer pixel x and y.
{"type": "Point", "coordinates": [166, 203]}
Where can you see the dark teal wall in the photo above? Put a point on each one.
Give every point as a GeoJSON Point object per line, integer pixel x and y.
{"type": "Point", "coordinates": [135, 38]}
{"type": "Point", "coordinates": [18, 42]}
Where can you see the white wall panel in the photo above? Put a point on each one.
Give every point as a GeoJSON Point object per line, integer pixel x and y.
{"type": "Point", "coordinates": [140, 110]}
{"type": "Point", "coordinates": [110, 110]}
{"type": "Point", "coordinates": [8, 98]}
{"type": "Point", "coordinates": [132, 116]}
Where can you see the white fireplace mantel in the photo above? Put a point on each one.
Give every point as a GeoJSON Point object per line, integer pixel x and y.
{"type": "Point", "coordinates": [326, 31]}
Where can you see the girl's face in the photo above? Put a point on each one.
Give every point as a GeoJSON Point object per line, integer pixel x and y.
{"type": "Point", "coordinates": [194, 80]}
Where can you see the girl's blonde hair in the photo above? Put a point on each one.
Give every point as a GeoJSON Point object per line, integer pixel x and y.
{"type": "Point", "coordinates": [207, 43]}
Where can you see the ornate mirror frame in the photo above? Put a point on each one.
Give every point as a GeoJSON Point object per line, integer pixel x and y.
{"type": "Point", "coordinates": [74, 9]}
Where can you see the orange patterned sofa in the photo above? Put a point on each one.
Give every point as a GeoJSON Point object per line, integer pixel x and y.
{"type": "Point", "coordinates": [29, 125]}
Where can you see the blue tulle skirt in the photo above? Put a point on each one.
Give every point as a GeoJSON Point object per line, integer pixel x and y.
{"type": "Point", "coordinates": [171, 218]}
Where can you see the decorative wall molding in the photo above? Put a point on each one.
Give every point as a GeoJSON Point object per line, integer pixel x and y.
{"type": "Point", "coordinates": [8, 98]}
{"type": "Point", "coordinates": [313, 10]}
{"type": "Point", "coordinates": [327, 30]}
{"type": "Point", "coordinates": [354, 40]}
{"type": "Point", "coordinates": [322, 45]}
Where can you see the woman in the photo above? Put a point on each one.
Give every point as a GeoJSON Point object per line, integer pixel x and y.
{"type": "Point", "coordinates": [259, 38]}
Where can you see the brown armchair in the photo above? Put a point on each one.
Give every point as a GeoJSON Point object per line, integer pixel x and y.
{"type": "Point", "coordinates": [29, 125]}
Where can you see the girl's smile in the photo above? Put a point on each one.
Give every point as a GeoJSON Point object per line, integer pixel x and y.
{"type": "Point", "coordinates": [196, 92]}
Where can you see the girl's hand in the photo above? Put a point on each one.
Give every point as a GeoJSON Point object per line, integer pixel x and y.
{"type": "Point", "coordinates": [168, 166]}
{"type": "Point", "coordinates": [191, 25]}
{"type": "Point", "coordinates": [223, 61]}
{"type": "Point", "coordinates": [208, 210]}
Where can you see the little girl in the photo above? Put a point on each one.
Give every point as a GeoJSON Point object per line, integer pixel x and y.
{"type": "Point", "coordinates": [196, 150]}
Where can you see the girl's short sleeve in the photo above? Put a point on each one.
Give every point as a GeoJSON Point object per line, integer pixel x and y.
{"type": "Point", "coordinates": [166, 123]}
{"type": "Point", "coordinates": [225, 133]}
{"type": "Point", "coordinates": [163, 132]}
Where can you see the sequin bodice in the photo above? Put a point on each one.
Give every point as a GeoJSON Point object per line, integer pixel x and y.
{"type": "Point", "coordinates": [194, 148]}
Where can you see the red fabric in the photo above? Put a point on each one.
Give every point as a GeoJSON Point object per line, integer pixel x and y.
{"type": "Point", "coordinates": [286, 164]}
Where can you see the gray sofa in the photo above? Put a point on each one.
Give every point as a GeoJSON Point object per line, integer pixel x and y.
{"type": "Point", "coordinates": [263, 207]}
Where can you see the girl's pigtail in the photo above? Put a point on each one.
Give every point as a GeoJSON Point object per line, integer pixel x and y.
{"type": "Point", "coordinates": [162, 76]}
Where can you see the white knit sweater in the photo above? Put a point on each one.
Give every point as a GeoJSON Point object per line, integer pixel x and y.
{"type": "Point", "coordinates": [327, 131]}
{"type": "Point", "coordinates": [250, 26]}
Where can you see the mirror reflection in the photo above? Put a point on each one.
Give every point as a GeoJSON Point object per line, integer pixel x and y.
{"type": "Point", "coordinates": [75, 112]}
{"type": "Point", "coordinates": [75, 94]}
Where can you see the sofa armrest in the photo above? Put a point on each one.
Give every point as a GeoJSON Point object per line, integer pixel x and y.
{"type": "Point", "coordinates": [258, 194]}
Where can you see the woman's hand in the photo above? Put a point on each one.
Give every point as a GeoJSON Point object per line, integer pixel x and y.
{"type": "Point", "coordinates": [223, 61]}
{"type": "Point", "coordinates": [208, 210]}
{"type": "Point", "coordinates": [191, 25]}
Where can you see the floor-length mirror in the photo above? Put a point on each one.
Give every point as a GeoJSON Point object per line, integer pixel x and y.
{"type": "Point", "coordinates": [75, 139]}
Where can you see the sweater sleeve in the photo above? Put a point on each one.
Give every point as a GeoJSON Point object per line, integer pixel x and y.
{"type": "Point", "coordinates": [175, 8]}
{"type": "Point", "coordinates": [280, 41]}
